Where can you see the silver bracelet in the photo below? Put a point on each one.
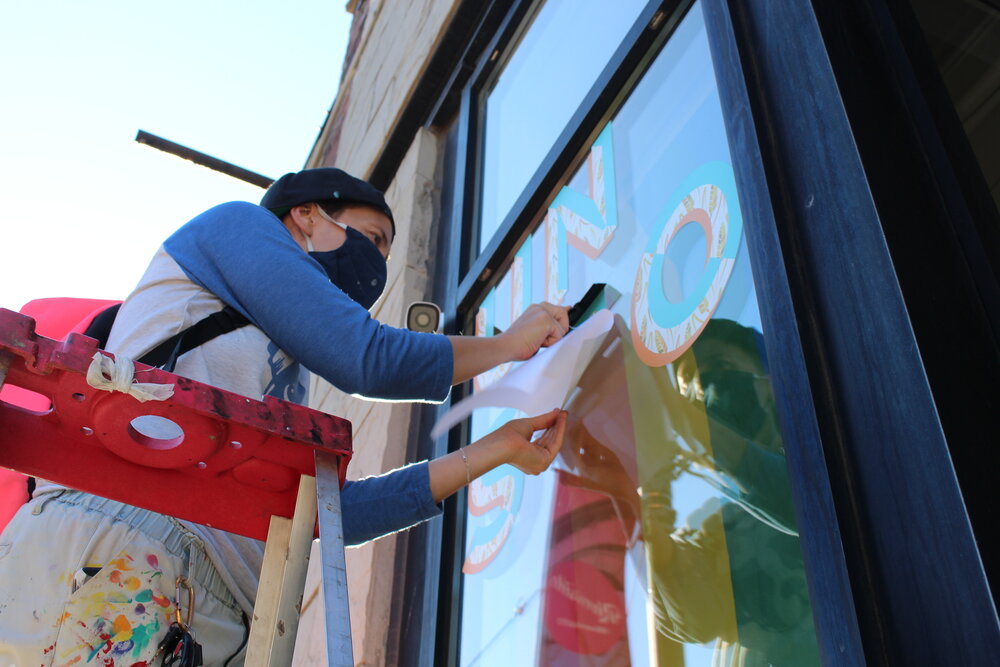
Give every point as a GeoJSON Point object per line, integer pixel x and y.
{"type": "Point", "coordinates": [468, 470]}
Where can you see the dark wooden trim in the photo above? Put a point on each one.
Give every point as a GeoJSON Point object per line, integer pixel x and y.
{"type": "Point", "coordinates": [446, 568]}
{"type": "Point", "coordinates": [472, 58]}
{"type": "Point", "coordinates": [815, 514]}
{"type": "Point", "coordinates": [499, 48]}
{"type": "Point", "coordinates": [941, 226]}
{"type": "Point", "coordinates": [466, 194]}
{"type": "Point", "coordinates": [919, 588]}
{"type": "Point", "coordinates": [421, 619]}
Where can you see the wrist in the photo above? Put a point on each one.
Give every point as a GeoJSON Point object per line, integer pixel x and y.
{"type": "Point", "coordinates": [474, 355]}
{"type": "Point", "coordinates": [468, 468]}
{"type": "Point", "coordinates": [488, 453]}
{"type": "Point", "coordinates": [505, 348]}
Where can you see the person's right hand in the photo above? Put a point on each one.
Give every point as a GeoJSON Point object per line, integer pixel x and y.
{"type": "Point", "coordinates": [541, 325]}
{"type": "Point", "coordinates": [530, 457]}
{"type": "Point", "coordinates": [511, 443]}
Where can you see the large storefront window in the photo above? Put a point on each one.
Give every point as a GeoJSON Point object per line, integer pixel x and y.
{"type": "Point", "coordinates": [664, 534]}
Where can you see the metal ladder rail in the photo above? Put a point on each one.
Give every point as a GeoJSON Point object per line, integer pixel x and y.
{"type": "Point", "coordinates": [282, 582]}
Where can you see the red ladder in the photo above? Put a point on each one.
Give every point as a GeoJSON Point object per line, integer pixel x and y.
{"type": "Point", "coordinates": [204, 455]}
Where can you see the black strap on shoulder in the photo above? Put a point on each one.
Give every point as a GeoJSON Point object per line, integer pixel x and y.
{"type": "Point", "coordinates": [100, 326]}
{"type": "Point", "coordinates": [165, 354]}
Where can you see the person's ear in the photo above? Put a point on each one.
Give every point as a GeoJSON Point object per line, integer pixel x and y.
{"type": "Point", "coordinates": [301, 217]}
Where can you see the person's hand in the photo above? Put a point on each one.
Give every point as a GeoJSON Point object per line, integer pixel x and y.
{"type": "Point", "coordinates": [541, 325]}
{"type": "Point", "coordinates": [530, 457]}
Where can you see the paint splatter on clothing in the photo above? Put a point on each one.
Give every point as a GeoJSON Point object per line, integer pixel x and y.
{"type": "Point", "coordinates": [117, 615]}
{"type": "Point", "coordinates": [101, 593]}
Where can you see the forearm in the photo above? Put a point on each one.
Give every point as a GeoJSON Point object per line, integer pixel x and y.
{"type": "Point", "coordinates": [383, 504]}
{"type": "Point", "coordinates": [477, 354]}
{"type": "Point", "coordinates": [448, 473]}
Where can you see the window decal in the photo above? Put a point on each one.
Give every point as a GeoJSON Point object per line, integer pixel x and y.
{"type": "Point", "coordinates": [485, 326]}
{"type": "Point", "coordinates": [586, 222]}
{"type": "Point", "coordinates": [494, 503]}
{"type": "Point", "coordinates": [663, 330]}
{"type": "Point", "coordinates": [556, 274]}
{"type": "Point", "coordinates": [590, 221]}
{"type": "Point", "coordinates": [519, 281]}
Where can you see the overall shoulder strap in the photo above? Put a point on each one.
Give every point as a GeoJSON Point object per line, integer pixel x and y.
{"type": "Point", "coordinates": [165, 354]}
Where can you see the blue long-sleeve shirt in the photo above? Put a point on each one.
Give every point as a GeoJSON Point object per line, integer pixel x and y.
{"type": "Point", "coordinates": [243, 255]}
{"type": "Point", "coordinates": [364, 503]}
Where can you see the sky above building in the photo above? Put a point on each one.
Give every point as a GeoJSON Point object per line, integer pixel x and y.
{"type": "Point", "coordinates": [83, 207]}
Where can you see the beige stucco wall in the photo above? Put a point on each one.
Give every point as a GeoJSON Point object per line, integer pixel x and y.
{"type": "Point", "coordinates": [380, 429]}
{"type": "Point", "coordinates": [393, 47]}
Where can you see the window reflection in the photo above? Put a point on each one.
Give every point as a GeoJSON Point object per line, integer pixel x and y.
{"type": "Point", "coordinates": [664, 534]}
{"type": "Point", "coordinates": [728, 573]}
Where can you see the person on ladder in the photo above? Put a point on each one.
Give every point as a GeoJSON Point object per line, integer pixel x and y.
{"type": "Point", "coordinates": [246, 298]}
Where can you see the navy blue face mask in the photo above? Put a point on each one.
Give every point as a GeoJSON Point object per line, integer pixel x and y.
{"type": "Point", "coordinates": [357, 267]}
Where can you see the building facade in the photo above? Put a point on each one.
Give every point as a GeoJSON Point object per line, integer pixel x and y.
{"type": "Point", "coordinates": [780, 432]}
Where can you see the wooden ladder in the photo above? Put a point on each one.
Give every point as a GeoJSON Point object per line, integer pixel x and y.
{"type": "Point", "coordinates": [283, 575]}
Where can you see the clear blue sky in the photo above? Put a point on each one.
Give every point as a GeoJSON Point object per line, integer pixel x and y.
{"type": "Point", "coordinates": [82, 206]}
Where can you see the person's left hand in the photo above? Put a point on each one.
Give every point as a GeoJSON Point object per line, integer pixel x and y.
{"type": "Point", "coordinates": [531, 457]}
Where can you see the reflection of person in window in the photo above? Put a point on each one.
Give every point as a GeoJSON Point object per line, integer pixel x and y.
{"type": "Point", "coordinates": [723, 375]}
{"type": "Point", "coordinates": [742, 552]}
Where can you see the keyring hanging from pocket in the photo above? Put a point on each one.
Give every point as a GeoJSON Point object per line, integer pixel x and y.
{"type": "Point", "coordinates": [178, 646]}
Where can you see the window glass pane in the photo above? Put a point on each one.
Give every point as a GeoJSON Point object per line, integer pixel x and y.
{"type": "Point", "coordinates": [559, 58]}
{"type": "Point", "coordinates": [964, 37]}
{"type": "Point", "coordinates": [664, 533]}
